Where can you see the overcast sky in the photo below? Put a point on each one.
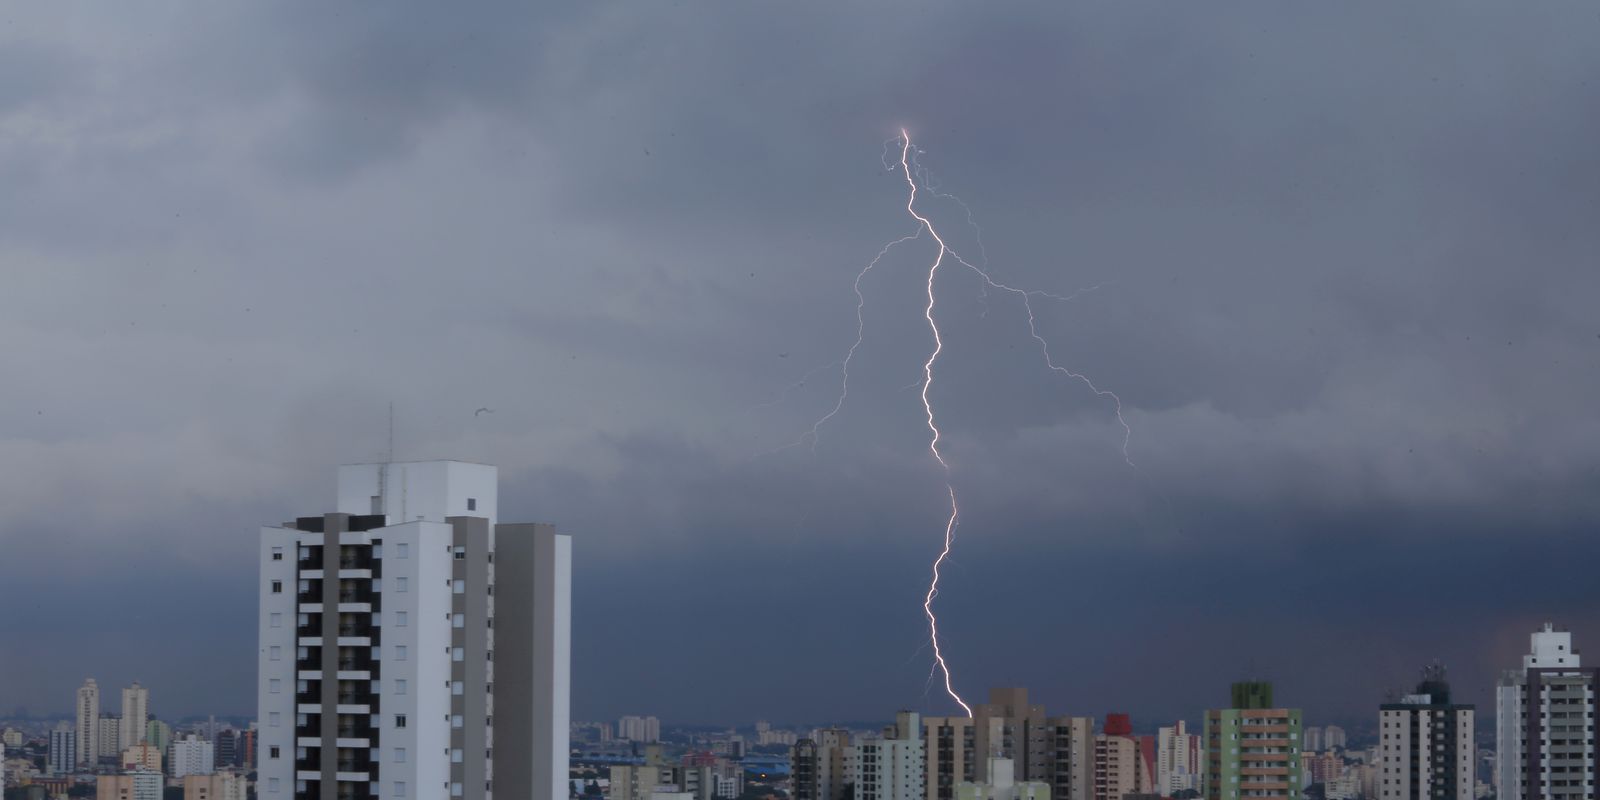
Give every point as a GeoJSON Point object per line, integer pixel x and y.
{"type": "Point", "coordinates": [1347, 268]}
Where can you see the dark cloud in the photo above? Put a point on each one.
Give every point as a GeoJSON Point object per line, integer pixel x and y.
{"type": "Point", "coordinates": [1344, 268]}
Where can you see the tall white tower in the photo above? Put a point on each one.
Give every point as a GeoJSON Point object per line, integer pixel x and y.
{"type": "Point", "coordinates": [393, 663]}
{"type": "Point", "coordinates": [135, 715]}
{"type": "Point", "coordinates": [88, 713]}
{"type": "Point", "coordinates": [1544, 713]}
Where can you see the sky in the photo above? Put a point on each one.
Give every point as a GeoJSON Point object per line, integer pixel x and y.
{"type": "Point", "coordinates": [1342, 272]}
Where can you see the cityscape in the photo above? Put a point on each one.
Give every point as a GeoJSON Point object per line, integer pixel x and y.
{"type": "Point", "coordinates": [825, 400]}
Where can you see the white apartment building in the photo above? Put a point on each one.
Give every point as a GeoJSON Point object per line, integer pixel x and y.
{"type": "Point", "coordinates": [393, 663]}
{"type": "Point", "coordinates": [646, 730]}
{"type": "Point", "coordinates": [62, 757]}
{"type": "Point", "coordinates": [216, 786]}
{"type": "Point", "coordinates": [88, 729]}
{"type": "Point", "coordinates": [135, 716]}
{"type": "Point", "coordinates": [191, 755]}
{"type": "Point", "coordinates": [1544, 723]}
{"type": "Point", "coordinates": [1425, 744]}
{"type": "Point", "coordinates": [110, 738]}
{"type": "Point", "coordinates": [1003, 785]}
{"type": "Point", "coordinates": [1178, 759]}
{"type": "Point", "coordinates": [891, 766]}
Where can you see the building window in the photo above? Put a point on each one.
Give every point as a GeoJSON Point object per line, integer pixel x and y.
{"type": "Point", "coordinates": [273, 751]}
{"type": "Point", "coordinates": [277, 554]}
{"type": "Point", "coordinates": [459, 587]}
{"type": "Point", "coordinates": [399, 652]}
{"type": "Point", "coordinates": [277, 587]}
{"type": "Point", "coordinates": [399, 619]}
{"type": "Point", "coordinates": [455, 721]}
{"type": "Point", "coordinates": [274, 686]}
{"type": "Point", "coordinates": [399, 788]}
{"type": "Point", "coordinates": [402, 550]}
{"type": "Point", "coordinates": [458, 654]}
{"type": "Point", "coordinates": [272, 785]}
{"type": "Point", "coordinates": [399, 755]}
{"type": "Point", "coordinates": [275, 653]}
{"type": "Point", "coordinates": [377, 549]}
{"type": "Point", "coordinates": [458, 621]}
{"type": "Point", "coordinates": [401, 584]}
{"type": "Point", "coordinates": [274, 719]}
{"type": "Point", "coordinates": [456, 687]}
{"type": "Point", "coordinates": [472, 504]}
{"type": "Point", "coordinates": [399, 685]}
{"type": "Point", "coordinates": [275, 620]}
{"type": "Point", "coordinates": [399, 720]}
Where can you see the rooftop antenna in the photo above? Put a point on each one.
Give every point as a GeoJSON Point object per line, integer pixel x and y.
{"type": "Point", "coordinates": [383, 471]}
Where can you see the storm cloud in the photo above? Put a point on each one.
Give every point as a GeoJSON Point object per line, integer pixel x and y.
{"type": "Point", "coordinates": [1345, 258]}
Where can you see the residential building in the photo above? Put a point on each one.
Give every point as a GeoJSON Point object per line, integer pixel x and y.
{"type": "Point", "coordinates": [1178, 759]}
{"type": "Point", "coordinates": [1313, 739]}
{"type": "Point", "coordinates": [1544, 723]}
{"type": "Point", "coordinates": [135, 715]}
{"type": "Point", "coordinates": [1055, 750]}
{"type": "Point", "coordinates": [141, 757]}
{"type": "Point", "coordinates": [696, 779]}
{"type": "Point", "coordinates": [110, 739]}
{"type": "Point", "coordinates": [1333, 737]}
{"type": "Point", "coordinates": [891, 766]}
{"type": "Point", "coordinates": [216, 786]}
{"type": "Point", "coordinates": [817, 765]}
{"type": "Point", "coordinates": [159, 734]}
{"type": "Point", "coordinates": [1002, 785]}
{"type": "Point", "coordinates": [1119, 766]}
{"type": "Point", "coordinates": [392, 662]}
{"type": "Point", "coordinates": [88, 730]}
{"type": "Point", "coordinates": [138, 785]}
{"type": "Point", "coordinates": [192, 755]}
{"type": "Point", "coordinates": [1425, 749]}
{"type": "Point", "coordinates": [62, 756]}
{"type": "Point", "coordinates": [645, 730]}
{"type": "Point", "coordinates": [1252, 747]}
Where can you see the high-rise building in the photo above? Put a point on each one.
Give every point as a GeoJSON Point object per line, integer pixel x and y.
{"type": "Point", "coordinates": [1544, 723]}
{"type": "Point", "coordinates": [393, 663]}
{"type": "Point", "coordinates": [192, 755]}
{"type": "Point", "coordinates": [1252, 747]}
{"type": "Point", "coordinates": [1425, 747]}
{"type": "Point", "coordinates": [1178, 759]}
{"type": "Point", "coordinates": [135, 715]}
{"type": "Point", "coordinates": [891, 766]}
{"type": "Point", "coordinates": [1119, 765]}
{"type": "Point", "coordinates": [645, 730]}
{"type": "Point", "coordinates": [1054, 750]}
{"type": "Point", "coordinates": [110, 738]}
{"type": "Point", "coordinates": [227, 744]}
{"type": "Point", "coordinates": [1333, 737]}
{"type": "Point", "coordinates": [62, 757]}
{"type": "Point", "coordinates": [817, 765]}
{"type": "Point", "coordinates": [216, 786]}
{"type": "Point", "coordinates": [88, 730]}
{"type": "Point", "coordinates": [1314, 739]}
{"type": "Point", "coordinates": [1003, 785]}
{"type": "Point", "coordinates": [136, 785]}
{"type": "Point", "coordinates": [141, 756]}
{"type": "Point", "coordinates": [158, 734]}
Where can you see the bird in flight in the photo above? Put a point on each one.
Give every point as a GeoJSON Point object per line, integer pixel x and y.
{"type": "Point", "coordinates": [482, 411]}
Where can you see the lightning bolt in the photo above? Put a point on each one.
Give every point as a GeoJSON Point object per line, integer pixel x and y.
{"type": "Point", "coordinates": [910, 170]}
{"type": "Point", "coordinates": [933, 427]}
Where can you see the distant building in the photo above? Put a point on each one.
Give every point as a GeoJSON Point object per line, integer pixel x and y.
{"type": "Point", "coordinates": [1178, 759]}
{"type": "Point", "coordinates": [1252, 747]}
{"type": "Point", "coordinates": [1314, 739]}
{"type": "Point", "coordinates": [192, 755]}
{"type": "Point", "coordinates": [110, 740]}
{"type": "Point", "coordinates": [135, 715]}
{"type": "Point", "coordinates": [216, 786]}
{"type": "Point", "coordinates": [130, 786]}
{"type": "Point", "coordinates": [697, 779]}
{"type": "Point", "coordinates": [1002, 785]}
{"type": "Point", "coordinates": [141, 757]}
{"type": "Point", "coordinates": [159, 734]}
{"type": "Point", "coordinates": [645, 730]}
{"type": "Point", "coordinates": [227, 744]}
{"type": "Point", "coordinates": [88, 730]}
{"type": "Point", "coordinates": [1333, 737]}
{"type": "Point", "coordinates": [1054, 750]}
{"type": "Point", "coordinates": [817, 765]}
{"type": "Point", "coordinates": [62, 757]}
{"type": "Point", "coordinates": [891, 766]}
{"type": "Point", "coordinates": [1544, 727]}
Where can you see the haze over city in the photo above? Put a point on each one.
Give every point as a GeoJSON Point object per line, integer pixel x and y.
{"type": "Point", "coordinates": [1343, 272]}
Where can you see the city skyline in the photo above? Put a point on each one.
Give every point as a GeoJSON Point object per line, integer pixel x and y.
{"type": "Point", "coordinates": [1344, 299]}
